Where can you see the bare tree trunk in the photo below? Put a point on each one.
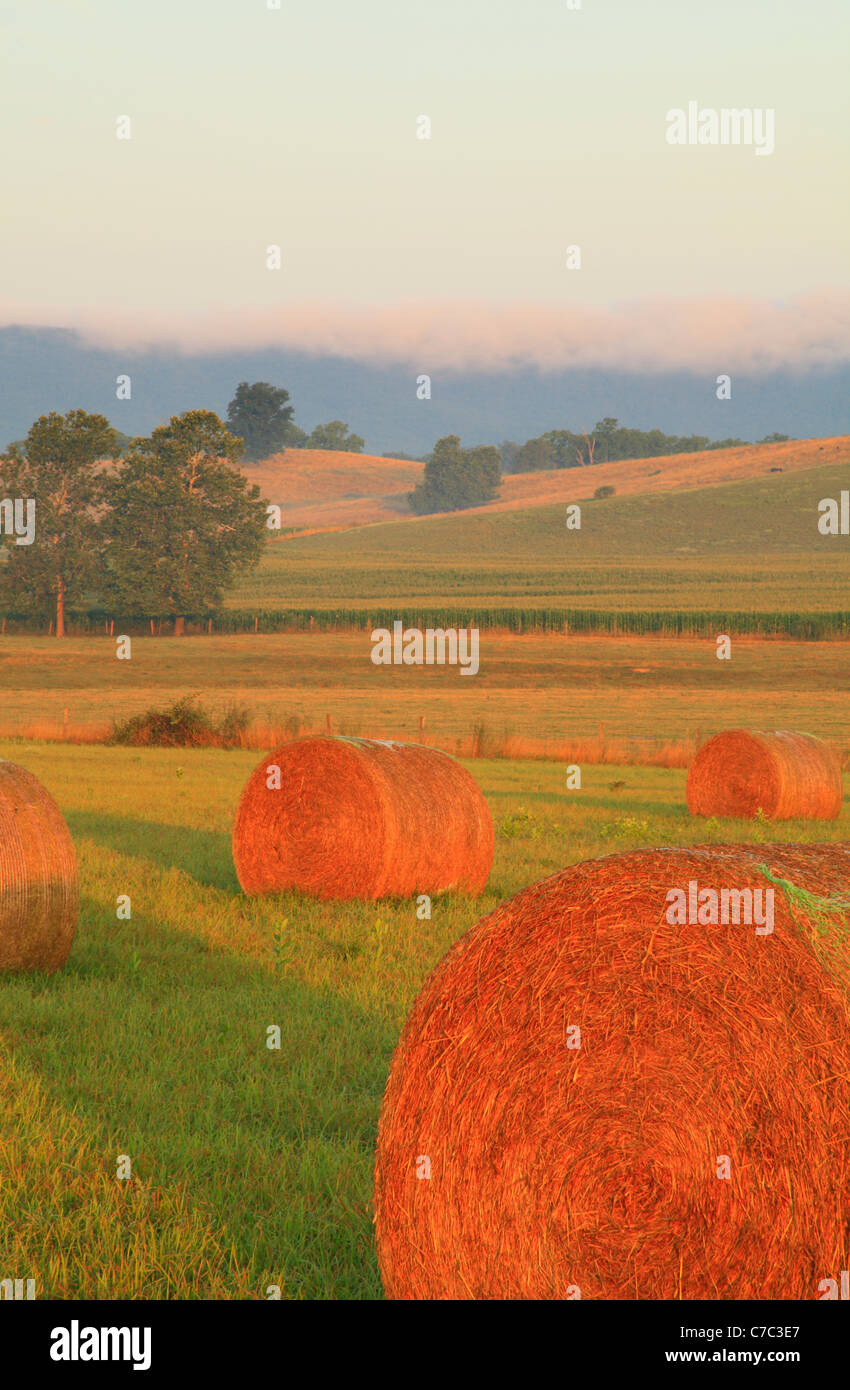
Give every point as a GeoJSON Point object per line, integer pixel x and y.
{"type": "Point", "coordinates": [60, 609]}
{"type": "Point", "coordinates": [179, 627]}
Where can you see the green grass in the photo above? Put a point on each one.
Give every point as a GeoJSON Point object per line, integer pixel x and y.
{"type": "Point", "coordinates": [743, 547]}
{"type": "Point", "coordinates": [251, 1167]}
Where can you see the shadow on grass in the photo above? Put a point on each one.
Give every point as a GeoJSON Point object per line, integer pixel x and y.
{"type": "Point", "coordinates": [205, 855]}
{"type": "Point", "coordinates": [157, 1043]}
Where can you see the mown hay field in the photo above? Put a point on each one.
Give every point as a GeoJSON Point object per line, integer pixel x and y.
{"type": "Point", "coordinates": [535, 688]}
{"type": "Point", "coordinates": [251, 1167]}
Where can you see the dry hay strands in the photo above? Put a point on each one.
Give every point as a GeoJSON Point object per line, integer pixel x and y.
{"type": "Point", "coordinates": [39, 890]}
{"type": "Point", "coordinates": [519, 1158]}
{"type": "Point", "coordinates": [787, 776]}
{"type": "Point", "coordinates": [361, 818]}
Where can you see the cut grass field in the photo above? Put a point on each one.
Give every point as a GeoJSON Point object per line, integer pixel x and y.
{"type": "Point", "coordinates": [533, 690]}
{"type": "Point", "coordinates": [251, 1167]}
{"type": "Point", "coordinates": [749, 546]}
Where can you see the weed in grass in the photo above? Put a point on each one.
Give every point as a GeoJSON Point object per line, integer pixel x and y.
{"type": "Point", "coordinates": [624, 827]}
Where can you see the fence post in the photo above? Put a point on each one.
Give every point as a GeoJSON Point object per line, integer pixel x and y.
{"type": "Point", "coordinates": [329, 723]}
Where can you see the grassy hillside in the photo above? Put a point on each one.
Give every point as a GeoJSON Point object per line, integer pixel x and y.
{"type": "Point", "coordinates": [751, 545]}
{"type": "Point", "coordinates": [321, 487]}
{"type": "Point", "coordinates": [316, 488]}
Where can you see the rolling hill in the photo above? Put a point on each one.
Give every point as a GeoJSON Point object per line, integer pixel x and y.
{"type": "Point", "coordinates": [750, 545]}
{"type": "Point", "coordinates": [318, 489]}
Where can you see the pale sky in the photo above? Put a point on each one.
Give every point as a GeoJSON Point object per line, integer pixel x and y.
{"type": "Point", "coordinates": [297, 126]}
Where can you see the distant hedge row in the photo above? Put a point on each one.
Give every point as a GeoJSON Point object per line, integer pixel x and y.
{"type": "Point", "coordinates": [812, 627]}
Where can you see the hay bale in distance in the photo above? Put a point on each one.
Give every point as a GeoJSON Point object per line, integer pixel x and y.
{"type": "Point", "coordinates": [360, 818]}
{"type": "Point", "coordinates": [39, 891]}
{"type": "Point", "coordinates": [788, 776]}
{"type": "Point", "coordinates": [510, 1165]}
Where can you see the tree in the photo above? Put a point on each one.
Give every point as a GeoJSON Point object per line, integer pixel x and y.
{"type": "Point", "coordinates": [565, 448]}
{"type": "Point", "coordinates": [456, 478]}
{"type": "Point", "coordinates": [535, 454]}
{"type": "Point", "coordinates": [605, 432]}
{"type": "Point", "coordinates": [184, 522]}
{"type": "Point", "coordinates": [259, 415]}
{"type": "Point", "coordinates": [61, 467]}
{"type": "Point", "coordinates": [509, 450]}
{"type": "Point", "coordinates": [335, 436]}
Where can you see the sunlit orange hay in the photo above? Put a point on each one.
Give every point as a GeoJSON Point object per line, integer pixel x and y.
{"type": "Point", "coordinates": [513, 1166]}
{"type": "Point", "coordinates": [358, 818]}
{"type": "Point", "coordinates": [788, 776]}
{"type": "Point", "coordinates": [39, 894]}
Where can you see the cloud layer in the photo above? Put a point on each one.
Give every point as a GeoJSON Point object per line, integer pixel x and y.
{"type": "Point", "coordinates": [694, 335]}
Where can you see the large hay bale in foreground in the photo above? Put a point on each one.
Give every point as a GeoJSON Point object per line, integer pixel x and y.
{"type": "Point", "coordinates": [359, 818]}
{"type": "Point", "coordinates": [788, 776]}
{"type": "Point", "coordinates": [513, 1165]}
{"type": "Point", "coordinates": [39, 892]}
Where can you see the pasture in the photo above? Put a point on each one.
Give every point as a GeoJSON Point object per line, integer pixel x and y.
{"type": "Point", "coordinates": [750, 546]}
{"type": "Point", "coordinates": [250, 1167]}
{"type": "Point", "coordinates": [536, 694]}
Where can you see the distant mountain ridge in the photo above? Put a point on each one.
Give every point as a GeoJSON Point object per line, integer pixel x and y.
{"type": "Point", "coordinates": [45, 369]}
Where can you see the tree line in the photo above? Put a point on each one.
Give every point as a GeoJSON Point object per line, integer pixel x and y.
{"type": "Point", "coordinates": [608, 442]}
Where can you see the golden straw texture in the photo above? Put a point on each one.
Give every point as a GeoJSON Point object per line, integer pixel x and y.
{"type": "Point", "coordinates": [788, 776]}
{"type": "Point", "coordinates": [598, 1168]}
{"type": "Point", "coordinates": [39, 894]}
{"type": "Point", "coordinates": [360, 818]}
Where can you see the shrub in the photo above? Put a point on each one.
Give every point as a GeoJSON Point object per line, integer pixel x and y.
{"type": "Point", "coordinates": [184, 724]}
{"type": "Point", "coordinates": [606, 491]}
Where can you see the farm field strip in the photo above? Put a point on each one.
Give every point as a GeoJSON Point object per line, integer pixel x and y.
{"type": "Point", "coordinates": [533, 686]}
{"type": "Point", "coordinates": [749, 545]}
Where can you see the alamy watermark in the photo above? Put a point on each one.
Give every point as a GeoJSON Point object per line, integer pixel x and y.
{"type": "Point", "coordinates": [76, 1343]}
{"type": "Point", "coordinates": [712, 907]}
{"type": "Point", "coordinates": [17, 518]}
{"type": "Point", "coordinates": [834, 515]}
{"type": "Point", "coordinates": [432, 647]}
{"type": "Point", "coordinates": [728, 125]}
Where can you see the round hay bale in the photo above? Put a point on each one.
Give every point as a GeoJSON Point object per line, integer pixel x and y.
{"type": "Point", "coordinates": [513, 1163]}
{"type": "Point", "coordinates": [39, 892]}
{"type": "Point", "coordinates": [359, 818]}
{"type": "Point", "coordinates": [788, 776]}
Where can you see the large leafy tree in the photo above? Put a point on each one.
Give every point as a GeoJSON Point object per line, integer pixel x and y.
{"type": "Point", "coordinates": [456, 478]}
{"type": "Point", "coordinates": [335, 435]}
{"type": "Point", "coordinates": [259, 415]}
{"type": "Point", "coordinates": [184, 520]}
{"type": "Point", "coordinates": [61, 466]}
